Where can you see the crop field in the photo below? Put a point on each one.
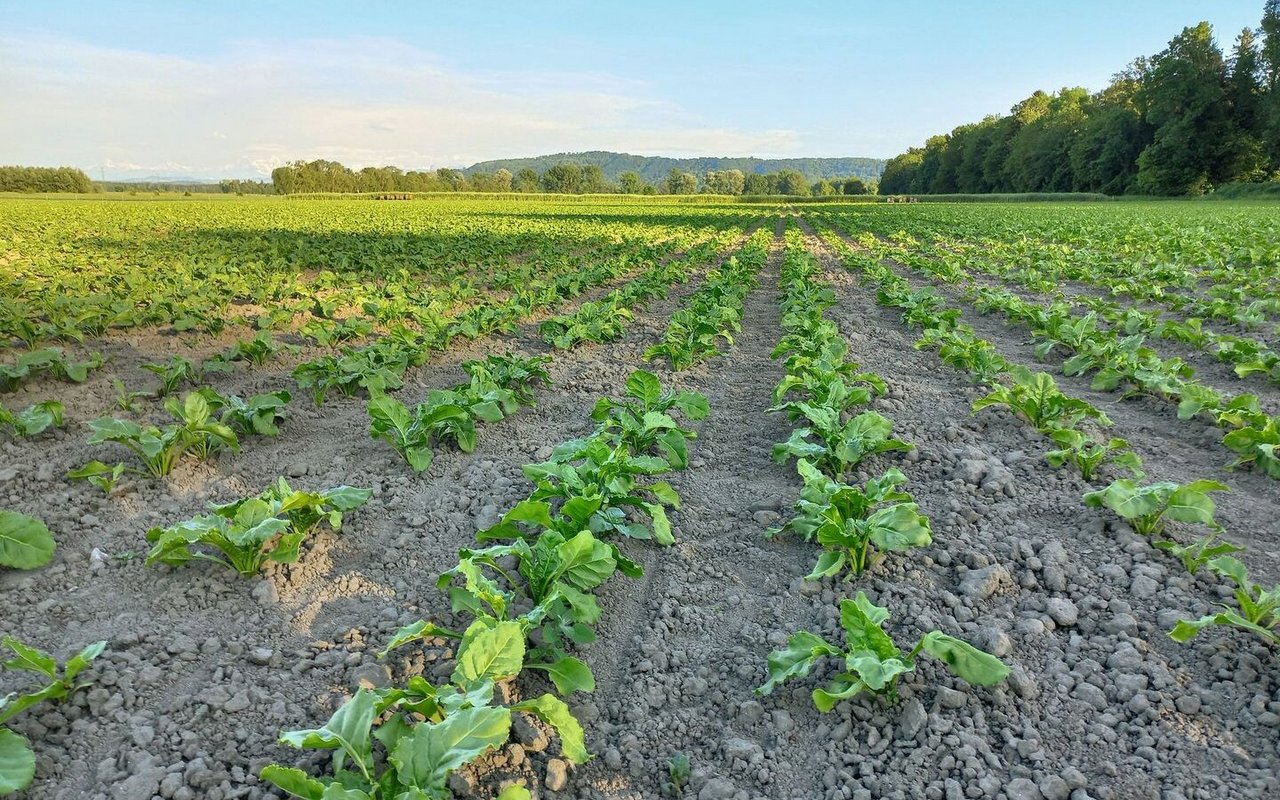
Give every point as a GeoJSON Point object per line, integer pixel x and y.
{"type": "Point", "coordinates": [359, 500]}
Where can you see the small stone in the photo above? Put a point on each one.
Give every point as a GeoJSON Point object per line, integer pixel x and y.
{"type": "Point", "coordinates": [982, 583]}
{"type": "Point", "coordinates": [297, 469]}
{"type": "Point", "coordinates": [261, 656]}
{"type": "Point", "coordinates": [239, 702]}
{"type": "Point", "coordinates": [1063, 611]}
{"type": "Point", "coordinates": [528, 734]}
{"type": "Point", "coordinates": [1054, 788]}
{"type": "Point", "coordinates": [913, 719]}
{"type": "Point", "coordinates": [1143, 586]}
{"type": "Point", "coordinates": [557, 775]}
{"type": "Point", "coordinates": [717, 789]}
{"type": "Point", "coordinates": [765, 517]}
{"type": "Point", "coordinates": [750, 712]}
{"type": "Point", "coordinates": [462, 783]}
{"type": "Point", "coordinates": [1187, 704]}
{"type": "Point", "coordinates": [265, 593]}
{"type": "Point", "coordinates": [1022, 789]}
{"type": "Point", "coordinates": [1121, 623]}
{"type": "Point", "coordinates": [371, 676]}
{"type": "Point", "coordinates": [950, 698]}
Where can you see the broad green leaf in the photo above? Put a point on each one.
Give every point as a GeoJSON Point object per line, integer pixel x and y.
{"type": "Point", "coordinates": [425, 758]}
{"type": "Point", "coordinates": [348, 729]}
{"type": "Point", "coordinates": [294, 781]}
{"type": "Point", "coordinates": [554, 712]}
{"type": "Point", "coordinates": [495, 653]}
{"type": "Point", "coordinates": [802, 651]}
{"type": "Point", "coordinates": [17, 762]}
{"type": "Point", "coordinates": [965, 660]}
{"type": "Point", "coordinates": [25, 542]}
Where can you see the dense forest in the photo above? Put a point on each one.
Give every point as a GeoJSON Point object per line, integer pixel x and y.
{"type": "Point", "coordinates": [44, 179]}
{"type": "Point", "coordinates": [1181, 122]}
{"type": "Point", "coordinates": [563, 178]}
{"type": "Point", "coordinates": [655, 169]}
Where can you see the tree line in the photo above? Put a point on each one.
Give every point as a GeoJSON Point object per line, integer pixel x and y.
{"type": "Point", "coordinates": [303, 177]}
{"type": "Point", "coordinates": [44, 179]}
{"type": "Point", "coordinates": [1181, 122]}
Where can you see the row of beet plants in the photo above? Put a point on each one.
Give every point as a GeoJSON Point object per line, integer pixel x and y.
{"type": "Point", "coordinates": [856, 526]}
{"type": "Point", "coordinates": [1075, 426]}
{"type": "Point", "coordinates": [527, 594]}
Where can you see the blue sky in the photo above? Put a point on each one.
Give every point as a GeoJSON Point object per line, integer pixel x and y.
{"type": "Point", "coordinates": [235, 88]}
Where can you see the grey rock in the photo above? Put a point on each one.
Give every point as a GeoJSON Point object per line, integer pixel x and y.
{"type": "Point", "coordinates": [913, 719]}
{"type": "Point", "coordinates": [370, 676]}
{"type": "Point", "coordinates": [717, 789]}
{"type": "Point", "coordinates": [982, 583]}
{"type": "Point", "coordinates": [1063, 611]}
{"type": "Point", "coordinates": [528, 734]}
{"type": "Point", "coordinates": [261, 656]}
{"type": "Point", "coordinates": [745, 749]}
{"type": "Point", "coordinates": [765, 517]}
{"type": "Point", "coordinates": [1054, 788]}
{"type": "Point", "coordinates": [1022, 789]}
{"type": "Point", "coordinates": [265, 593]}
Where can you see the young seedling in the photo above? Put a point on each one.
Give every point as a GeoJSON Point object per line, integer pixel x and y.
{"type": "Point", "coordinates": [17, 761]}
{"type": "Point", "coordinates": [840, 446]}
{"type": "Point", "coordinates": [1148, 508]}
{"type": "Point", "coordinates": [1037, 399]}
{"type": "Point", "coordinates": [99, 475]}
{"type": "Point", "coordinates": [249, 532]}
{"type": "Point", "coordinates": [160, 448]}
{"type": "Point", "coordinates": [849, 521]}
{"type": "Point", "coordinates": [1198, 553]}
{"type": "Point", "coordinates": [426, 731]}
{"type": "Point", "coordinates": [32, 420]}
{"type": "Point", "coordinates": [873, 663]}
{"type": "Point", "coordinates": [1087, 455]}
{"type": "Point", "coordinates": [644, 422]}
{"type": "Point", "coordinates": [125, 399]}
{"type": "Point", "coordinates": [1257, 609]}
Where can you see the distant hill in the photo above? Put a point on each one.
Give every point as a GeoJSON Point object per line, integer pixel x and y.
{"type": "Point", "coordinates": [656, 168]}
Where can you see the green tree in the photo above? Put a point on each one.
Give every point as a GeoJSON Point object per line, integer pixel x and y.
{"type": "Point", "coordinates": [680, 182]}
{"type": "Point", "coordinates": [725, 181]}
{"type": "Point", "coordinates": [758, 184]}
{"type": "Point", "coordinates": [526, 181]}
{"type": "Point", "coordinates": [793, 183]}
{"type": "Point", "coordinates": [902, 172]}
{"type": "Point", "coordinates": [563, 179]}
{"type": "Point", "coordinates": [630, 182]}
{"type": "Point", "coordinates": [1196, 143]}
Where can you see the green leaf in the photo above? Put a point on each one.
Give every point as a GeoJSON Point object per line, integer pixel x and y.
{"type": "Point", "coordinates": [25, 542]}
{"type": "Point", "coordinates": [495, 653]}
{"type": "Point", "coordinates": [569, 675]}
{"type": "Point", "coordinates": [965, 660]}
{"type": "Point", "coordinates": [17, 762]}
{"type": "Point", "coordinates": [554, 712]}
{"type": "Point", "coordinates": [348, 729]}
{"type": "Point", "coordinates": [644, 386]}
{"type": "Point", "coordinates": [802, 651]}
{"type": "Point", "coordinates": [425, 758]}
{"type": "Point", "coordinates": [294, 781]}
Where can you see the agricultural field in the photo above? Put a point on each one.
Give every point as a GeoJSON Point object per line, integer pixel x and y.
{"type": "Point", "coordinates": [346, 499]}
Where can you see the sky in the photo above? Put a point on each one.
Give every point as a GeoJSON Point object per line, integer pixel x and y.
{"type": "Point", "coordinates": [235, 88]}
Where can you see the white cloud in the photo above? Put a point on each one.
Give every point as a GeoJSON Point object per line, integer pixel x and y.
{"type": "Point", "coordinates": [360, 101]}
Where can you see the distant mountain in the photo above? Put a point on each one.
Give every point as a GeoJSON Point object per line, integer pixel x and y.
{"type": "Point", "coordinates": [656, 168]}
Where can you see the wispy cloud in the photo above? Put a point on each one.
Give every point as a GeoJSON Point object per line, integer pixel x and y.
{"type": "Point", "coordinates": [362, 101]}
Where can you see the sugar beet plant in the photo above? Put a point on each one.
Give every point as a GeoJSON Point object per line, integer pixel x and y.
{"type": "Point", "coordinates": [873, 662]}
{"type": "Point", "coordinates": [159, 448]}
{"type": "Point", "coordinates": [530, 601]}
{"type": "Point", "coordinates": [496, 390]}
{"type": "Point", "coordinates": [17, 761]}
{"type": "Point", "coordinates": [248, 533]}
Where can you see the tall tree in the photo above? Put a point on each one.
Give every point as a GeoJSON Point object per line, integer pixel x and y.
{"type": "Point", "coordinates": [1196, 142]}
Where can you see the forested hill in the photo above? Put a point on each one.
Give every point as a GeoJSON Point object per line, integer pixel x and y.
{"type": "Point", "coordinates": [655, 169]}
